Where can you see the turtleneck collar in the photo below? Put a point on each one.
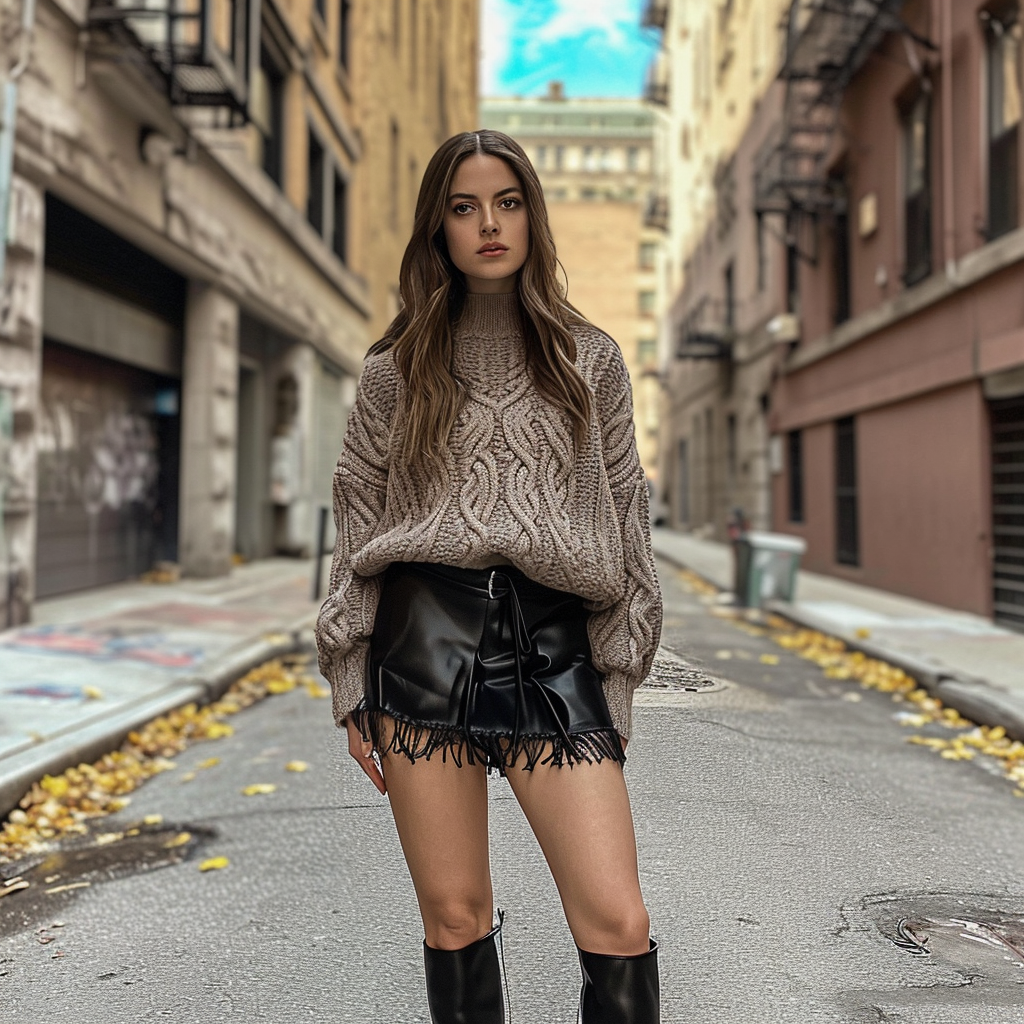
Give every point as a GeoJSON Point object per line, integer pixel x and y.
{"type": "Point", "coordinates": [490, 316]}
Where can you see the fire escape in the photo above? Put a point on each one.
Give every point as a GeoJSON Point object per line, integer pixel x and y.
{"type": "Point", "coordinates": [827, 43]}
{"type": "Point", "coordinates": [198, 53]}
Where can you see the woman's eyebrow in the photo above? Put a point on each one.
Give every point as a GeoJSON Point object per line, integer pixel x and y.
{"type": "Point", "coordinates": [497, 195]}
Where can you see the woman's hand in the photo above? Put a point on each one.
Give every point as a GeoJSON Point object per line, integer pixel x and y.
{"type": "Point", "coordinates": [362, 750]}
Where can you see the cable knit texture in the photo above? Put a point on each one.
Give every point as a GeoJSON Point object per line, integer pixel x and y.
{"type": "Point", "coordinates": [513, 489]}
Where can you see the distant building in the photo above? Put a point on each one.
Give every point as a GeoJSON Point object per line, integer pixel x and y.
{"type": "Point", "coordinates": [209, 205]}
{"type": "Point", "coordinates": [595, 161]}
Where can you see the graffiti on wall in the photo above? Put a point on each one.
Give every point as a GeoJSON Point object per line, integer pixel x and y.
{"type": "Point", "coordinates": [95, 461]}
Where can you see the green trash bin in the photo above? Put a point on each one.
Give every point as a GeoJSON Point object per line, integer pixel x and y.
{"type": "Point", "coordinates": [766, 566]}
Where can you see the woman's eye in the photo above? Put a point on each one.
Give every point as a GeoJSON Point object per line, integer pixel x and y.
{"type": "Point", "coordinates": [510, 204]}
{"type": "Point", "coordinates": [462, 208]}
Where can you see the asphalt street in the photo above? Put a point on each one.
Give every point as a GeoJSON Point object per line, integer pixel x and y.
{"type": "Point", "coordinates": [786, 829]}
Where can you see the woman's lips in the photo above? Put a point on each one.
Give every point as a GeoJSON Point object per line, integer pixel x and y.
{"type": "Point", "coordinates": [492, 252]}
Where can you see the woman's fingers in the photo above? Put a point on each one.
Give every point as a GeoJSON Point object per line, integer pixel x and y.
{"type": "Point", "coordinates": [362, 750]}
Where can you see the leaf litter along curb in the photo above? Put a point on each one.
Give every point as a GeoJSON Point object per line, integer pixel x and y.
{"type": "Point", "coordinates": [60, 805]}
{"type": "Point", "coordinates": [839, 662]}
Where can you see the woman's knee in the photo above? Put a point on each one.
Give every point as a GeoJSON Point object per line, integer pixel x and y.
{"type": "Point", "coordinates": [615, 929]}
{"type": "Point", "coordinates": [455, 923]}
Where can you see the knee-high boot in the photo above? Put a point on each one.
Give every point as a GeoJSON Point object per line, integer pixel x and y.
{"type": "Point", "coordinates": [620, 989]}
{"type": "Point", "coordinates": [464, 986]}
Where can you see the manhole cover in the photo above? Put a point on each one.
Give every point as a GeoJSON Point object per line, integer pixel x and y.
{"type": "Point", "coordinates": [670, 672]}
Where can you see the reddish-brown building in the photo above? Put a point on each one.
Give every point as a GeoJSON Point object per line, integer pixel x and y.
{"type": "Point", "coordinates": [898, 414]}
{"type": "Point", "coordinates": [849, 335]}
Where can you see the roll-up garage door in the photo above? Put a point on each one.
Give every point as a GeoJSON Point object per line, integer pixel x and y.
{"type": "Point", "coordinates": [1008, 511]}
{"type": "Point", "coordinates": [108, 442]}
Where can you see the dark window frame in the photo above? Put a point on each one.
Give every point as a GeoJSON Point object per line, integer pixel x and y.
{"type": "Point", "coordinates": [918, 183]}
{"type": "Point", "coordinates": [795, 481]}
{"type": "Point", "coordinates": [344, 33]}
{"type": "Point", "coordinates": [847, 511]}
{"type": "Point", "coordinates": [1003, 140]}
{"type": "Point", "coordinates": [316, 191]}
{"type": "Point", "coordinates": [272, 133]}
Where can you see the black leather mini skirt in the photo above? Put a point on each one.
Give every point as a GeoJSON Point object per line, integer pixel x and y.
{"type": "Point", "coordinates": [483, 666]}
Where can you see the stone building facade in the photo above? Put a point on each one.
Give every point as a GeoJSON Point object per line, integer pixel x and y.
{"type": "Point", "coordinates": [206, 227]}
{"type": "Point", "coordinates": [717, 67]}
{"type": "Point", "coordinates": [595, 160]}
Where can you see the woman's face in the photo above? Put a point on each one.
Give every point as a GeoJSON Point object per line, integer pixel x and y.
{"type": "Point", "coordinates": [486, 225]}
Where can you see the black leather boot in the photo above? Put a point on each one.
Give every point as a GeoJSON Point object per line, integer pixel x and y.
{"type": "Point", "coordinates": [464, 985]}
{"type": "Point", "coordinates": [620, 989]}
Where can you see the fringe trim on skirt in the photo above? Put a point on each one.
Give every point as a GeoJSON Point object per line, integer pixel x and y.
{"type": "Point", "coordinates": [495, 751]}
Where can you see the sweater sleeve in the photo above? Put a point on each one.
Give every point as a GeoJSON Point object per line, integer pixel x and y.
{"type": "Point", "coordinates": [346, 618]}
{"type": "Point", "coordinates": [624, 636]}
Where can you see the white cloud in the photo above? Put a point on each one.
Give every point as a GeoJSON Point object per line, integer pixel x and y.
{"type": "Point", "coordinates": [497, 33]}
{"type": "Point", "coordinates": [609, 19]}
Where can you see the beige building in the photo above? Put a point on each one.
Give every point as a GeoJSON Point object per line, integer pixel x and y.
{"type": "Point", "coordinates": [208, 207]}
{"type": "Point", "coordinates": [717, 67]}
{"type": "Point", "coordinates": [595, 159]}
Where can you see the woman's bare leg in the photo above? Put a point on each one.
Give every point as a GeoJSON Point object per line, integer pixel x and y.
{"type": "Point", "coordinates": [441, 814]}
{"type": "Point", "coordinates": [582, 819]}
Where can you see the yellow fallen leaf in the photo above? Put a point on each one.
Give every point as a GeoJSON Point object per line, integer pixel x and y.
{"type": "Point", "coordinates": [218, 730]}
{"type": "Point", "coordinates": [259, 787]}
{"type": "Point", "coordinates": [179, 840]}
{"type": "Point", "coordinates": [723, 655]}
{"type": "Point", "coordinates": [314, 689]}
{"type": "Point", "coordinates": [93, 692]}
{"type": "Point", "coordinates": [214, 864]}
{"type": "Point", "coordinates": [296, 766]}
{"type": "Point", "coordinates": [153, 819]}
{"type": "Point", "coordinates": [862, 633]}
{"type": "Point", "coordinates": [769, 659]}
{"type": "Point", "coordinates": [210, 762]}
{"type": "Point", "coordinates": [280, 685]}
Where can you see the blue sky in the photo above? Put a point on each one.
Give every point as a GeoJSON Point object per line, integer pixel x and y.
{"type": "Point", "coordinates": [595, 46]}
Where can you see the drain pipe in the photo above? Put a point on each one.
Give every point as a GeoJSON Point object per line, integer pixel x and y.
{"type": "Point", "coordinates": [948, 190]}
{"type": "Point", "coordinates": [7, 126]}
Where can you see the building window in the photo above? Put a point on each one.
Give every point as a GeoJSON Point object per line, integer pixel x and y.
{"type": "Point", "coordinates": [315, 184]}
{"type": "Point", "coordinates": [648, 254]}
{"type": "Point", "coordinates": [268, 115]}
{"type": "Point", "coordinates": [542, 157]}
{"type": "Point", "coordinates": [647, 351]}
{"type": "Point", "coordinates": [847, 529]}
{"type": "Point", "coordinates": [792, 269]}
{"type": "Point", "coordinates": [796, 476]}
{"type": "Point", "coordinates": [646, 303]}
{"type": "Point", "coordinates": [841, 267]}
{"type": "Point", "coordinates": [559, 157]}
{"type": "Point", "coordinates": [588, 193]}
{"type": "Point", "coordinates": [588, 158]}
{"type": "Point", "coordinates": [339, 218]}
{"type": "Point", "coordinates": [1004, 115]}
{"type": "Point", "coordinates": [730, 446]}
{"type": "Point", "coordinates": [393, 178]}
{"type": "Point", "coordinates": [729, 283]}
{"type": "Point", "coordinates": [917, 189]}
{"type": "Point", "coordinates": [762, 255]}
{"type": "Point", "coordinates": [632, 159]}
{"type": "Point", "coordinates": [344, 31]}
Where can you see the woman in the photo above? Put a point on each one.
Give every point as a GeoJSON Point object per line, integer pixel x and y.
{"type": "Point", "coordinates": [493, 595]}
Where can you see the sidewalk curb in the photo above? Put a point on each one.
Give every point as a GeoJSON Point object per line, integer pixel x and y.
{"type": "Point", "coordinates": [975, 698]}
{"type": "Point", "coordinates": [18, 772]}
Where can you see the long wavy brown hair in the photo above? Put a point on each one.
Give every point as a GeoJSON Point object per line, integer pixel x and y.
{"type": "Point", "coordinates": [433, 291]}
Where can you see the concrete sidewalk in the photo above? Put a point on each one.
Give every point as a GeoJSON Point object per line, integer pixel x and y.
{"type": "Point", "coordinates": [93, 666]}
{"type": "Point", "coordinates": [967, 661]}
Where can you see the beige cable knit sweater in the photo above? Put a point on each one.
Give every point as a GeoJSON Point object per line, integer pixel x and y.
{"type": "Point", "coordinates": [513, 490]}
